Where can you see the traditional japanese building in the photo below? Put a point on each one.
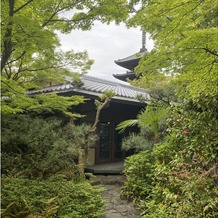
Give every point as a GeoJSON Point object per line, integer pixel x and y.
{"type": "Point", "coordinates": [127, 102]}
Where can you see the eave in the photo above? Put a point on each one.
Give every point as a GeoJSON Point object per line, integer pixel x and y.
{"type": "Point", "coordinates": [130, 62]}
{"type": "Point", "coordinates": [94, 87]}
{"type": "Point", "coordinates": [125, 76]}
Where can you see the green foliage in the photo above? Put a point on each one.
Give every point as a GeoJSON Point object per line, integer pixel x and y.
{"type": "Point", "coordinates": [152, 123]}
{"type": "Point", "coordinates": [185, 37]}
{"type": "Point", "coordinates": [139, 170]}
{"type": "Point", "coordinates": [30, 55]}
{"type": "Point", "coordinates": [153, 117]}
{"type": "Point", "coordinates": [39, 172]}
{"type": "Point", "coordinates": [181, 172]}
{"type": "Point", "coordinates": [57, 198]}
{"type": "Point", "coordinates": [182, 175]}
{"type": "Point", "coordinates": [41, 147]}
{"type": "Point", "coordinates": [107, 94]}
{"type": "Point", "coordinates": [160, 87]}
{"type": "Point", "coordinates": [181, 190]}
{"type": "Point", "coordinates": [144, 140]}
{"type": "Point", "coordinates": [126, 123]}
{"type": "Point", "coordinates": [105, 97]}
{"type": "Point", "coordinates": [41, 104]}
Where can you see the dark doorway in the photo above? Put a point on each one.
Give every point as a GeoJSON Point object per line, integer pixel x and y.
{"type": "Point", "coordinates": [109, 146]}
{"type": "Point", "coordinates": [104, 150]}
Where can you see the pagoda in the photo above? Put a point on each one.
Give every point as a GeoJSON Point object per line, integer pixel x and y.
{"type": "Point", "coordinates": [131, 62]}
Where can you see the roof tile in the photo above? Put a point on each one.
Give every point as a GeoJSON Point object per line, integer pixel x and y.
{"type": "Point", "coordinates": [95, 86]}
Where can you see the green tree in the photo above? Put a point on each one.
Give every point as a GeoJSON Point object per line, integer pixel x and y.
{"type": "Point", "coordinates": [31, 57]}
{"type": "Point", "coordinates": [36, 148]}
{"type": "Point", "coordinates": [182, 177]}
{"type": "Point", "coordinates": [185, 43]}
{"type": "Point", "coordinates": [185, 37]}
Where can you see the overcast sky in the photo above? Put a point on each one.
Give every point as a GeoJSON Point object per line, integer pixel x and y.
{"type": "Point", "coordinates": [105, 43]}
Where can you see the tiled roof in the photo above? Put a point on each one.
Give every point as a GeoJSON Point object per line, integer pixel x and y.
{"type": "Point", "coordinates": [93, 86]}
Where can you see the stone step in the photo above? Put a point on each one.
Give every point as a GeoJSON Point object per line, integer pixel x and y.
{"type": "Point", "coordinates": [107, 180]}
{"type": "Point", "coordinates": [106, 169]}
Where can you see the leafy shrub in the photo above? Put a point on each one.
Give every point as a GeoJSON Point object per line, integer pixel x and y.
{"type": "Point", "coordinates": [38, 157]}
{"type": "Point", "coordinates": [179, 178]}
{"type": "Point", "coordinates": [181, 194]}
{"type": "Point", "coordinates": [144, 140]}
{"type": "Point", "coordinates": [34, 147]}
{"type": "Point", "coordinates": [152, 123]}
{"type": "Point", "coordinates": [58, 198]}
{"type": "Point", "coordinates": [171, 189]}
{"type": "Point", "coordinates": [139, 176]}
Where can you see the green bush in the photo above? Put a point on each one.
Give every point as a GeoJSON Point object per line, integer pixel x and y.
{"type": "Point", "coordinates": [139, 176]}
{"type": "Point", "coordinates": [182, 194]}
{"type": "Point", "coordinates": [179, 178]}
{"type": "Point", "coordinates": [171, 189]}
{"type": "Point", "coordinates": [41, 199]}
{"type": "Point", "coordinates": [34, 147]}
{"type": "Point", "coordinates": [152, 124]}
{"type": "Point", "coordinates": [39, 172]}
{"type": "Point", "coordinates": [144, 140]}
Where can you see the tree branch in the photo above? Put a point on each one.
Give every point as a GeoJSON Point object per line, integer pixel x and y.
{"type": "Point", "coordinates": [211, 52]}
{"type": "Point", "coordinates": [177, 6]}
{"type": "Point", "coordinates": [13, 60]}
{"type": "Point", "coordinates": [11, 87]}
{"type": "Point", "coordinates": [16, 77]}
{"type": "Point", "coordinates": [8, 37]}
{"type": "Point", "coordinates": [93, 128]}
{"type": "Point", "coordinates": [50, 20]}
{"type": "Point", "coordinates": [205, 49]}
{"type": "Point", "coordinates": [21, 7]}
{"type": "Point", "coordinates": [71, 20]}
{"type": "Point", "coordinates": [57, 11]}
{"type": "Point", "coordinates": [8, 74]}
{"type": "Point", "coordinates": [183, 17]}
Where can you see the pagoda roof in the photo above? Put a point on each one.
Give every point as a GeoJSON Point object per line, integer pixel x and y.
{"type": "Point", "coordinates": [94, 87]}
{"type": "Point", "coordinates": [130, 62]}
{"type": "Point", "coordinates": [125, 76]}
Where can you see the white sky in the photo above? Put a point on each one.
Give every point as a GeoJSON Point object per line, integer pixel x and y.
{"type": "Point", "coordinates": [105, 43]}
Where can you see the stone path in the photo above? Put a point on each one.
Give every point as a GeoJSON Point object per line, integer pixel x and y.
{"type": "Point", "coordinates": [116, 207]}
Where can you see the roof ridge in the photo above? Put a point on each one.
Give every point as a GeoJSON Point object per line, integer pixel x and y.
{"type": "Point", "coordinates": [95, 87]}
